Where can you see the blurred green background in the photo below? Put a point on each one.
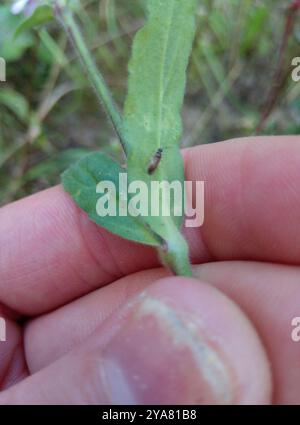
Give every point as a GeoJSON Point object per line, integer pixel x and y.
{"type": "Point", "coordinates": [49, 117]}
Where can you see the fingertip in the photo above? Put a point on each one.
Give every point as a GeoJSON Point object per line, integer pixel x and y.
{"type": "Point", "coordinates": [215, 322]}
{"type": "Point", "coordinates": [180, 341]}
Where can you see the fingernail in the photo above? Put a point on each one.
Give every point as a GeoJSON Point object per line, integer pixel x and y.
{"type": "Point", "coordinates": [162, 356]}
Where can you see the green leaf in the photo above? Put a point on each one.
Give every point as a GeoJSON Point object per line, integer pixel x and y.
{"type": "Point", "coordinates": [15, 102]}
{"type": "Point", "coordinates": [253, 27]}
{"type": "Point", "coordinates": [11, 49]}
{"type": "Point", "coordinates": [157, 70]}
{"type": "Point", "coordinates": [157, 77]}
{"type": "Point", "coordinates": [41, 15]}
{"type": "Point", "coordinates": [49, 49]}
{"type": "Point", "coordinates": [81, 181]}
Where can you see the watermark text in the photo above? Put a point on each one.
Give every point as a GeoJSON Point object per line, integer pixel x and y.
{"type": "Point", "coordinates": [159, 198]}
{"type": "Point", "coordinates": [296, 329]}
{"type": "Point", "coordinates": [296, 70]}
{"type": "Point", "coordinates": [2, 330]}
{"type": "Point", "coordinates": [2, 70]}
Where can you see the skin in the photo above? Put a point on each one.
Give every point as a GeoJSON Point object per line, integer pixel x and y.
{"type": "Point", "coordinates": [92, 319]}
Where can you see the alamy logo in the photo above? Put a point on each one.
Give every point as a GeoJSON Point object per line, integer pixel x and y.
{"type": "Point", "coordinates": [2, 330]}
{"type": "Point", "coordinates": [159, 198]}
{"type": "Point", "coordinates": [296, 70]}
{"type": "Point", "coordinates": [296, 329]}
{"type": "Point", "coordinates": [2, 70]}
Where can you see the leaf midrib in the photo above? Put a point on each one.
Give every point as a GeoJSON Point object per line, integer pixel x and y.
{"type": "Point", "coordinates": [166, 220]}
{"type": "Point", "coordinates": [162, 77]}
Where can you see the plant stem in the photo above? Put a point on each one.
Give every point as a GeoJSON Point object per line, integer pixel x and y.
{"type": "Point", "coordinates": [175, 255]}
{"type": "Point", "coordinates": [95, 76]}
{"type": "Point", "coordinates": [174, 252]}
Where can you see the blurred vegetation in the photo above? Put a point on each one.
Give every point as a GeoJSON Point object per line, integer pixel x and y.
{"type": "Point", "coordinates": [49, 117]}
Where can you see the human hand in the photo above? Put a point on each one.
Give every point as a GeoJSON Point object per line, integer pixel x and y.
{"type": "Point", "coordinates": [90, 319]}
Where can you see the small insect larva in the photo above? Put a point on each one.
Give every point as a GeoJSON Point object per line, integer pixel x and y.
{"type": "Point", "coordinates": [155, 161]}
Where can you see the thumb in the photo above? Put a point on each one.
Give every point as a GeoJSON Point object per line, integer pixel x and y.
{"type": "Point", "coordinates": [179, 342]}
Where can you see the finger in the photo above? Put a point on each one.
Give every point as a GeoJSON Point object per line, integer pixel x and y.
{"type": "Point", "coordinates": [49, 337]}
{"type": "Point", "coordinates": [269, 294]}
{"type": "Point", "coordinates": [47, 241]}
{"type": "Point", "coordinates": [252, 198]}
{"type": "Point", "coordinates": [13, 367]}
{"type": "Point", "coordinates": [166, 346]}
